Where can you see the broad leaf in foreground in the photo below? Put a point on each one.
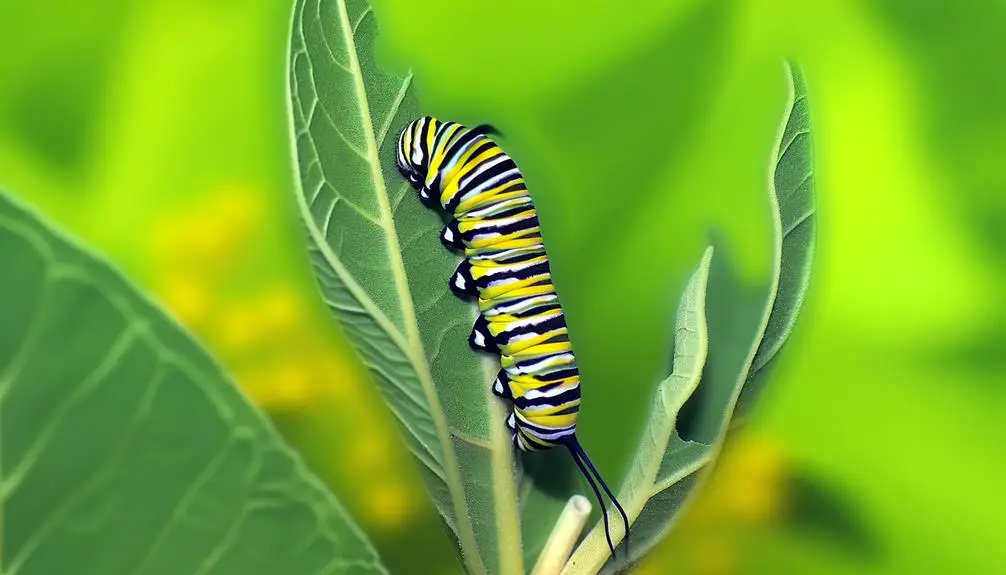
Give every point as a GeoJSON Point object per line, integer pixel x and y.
{"type": "Point", "coordinates": [746, 329]}
{"type": "Point", "coordinates": [125, 449]}
{"type": "Point", "coordinates": [383, 273]}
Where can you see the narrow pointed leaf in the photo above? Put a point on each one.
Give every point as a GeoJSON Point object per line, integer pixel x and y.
{"type": "Point", "coordinates": [795, 232]}
{"type": "Point", "coordinates": [747, 327]}
{"type": "Point", "coordinates": [125, 449]}
{"type": "Point", "coordinates": [383, 273]}
{"type": "Point", "coordinates": [663, 460]}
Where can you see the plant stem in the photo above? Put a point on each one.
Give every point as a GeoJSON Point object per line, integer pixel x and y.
{"type": "Point", "coordinates": [564, 536]}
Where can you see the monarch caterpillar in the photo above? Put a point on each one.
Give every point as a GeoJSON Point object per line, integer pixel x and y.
{"type": "Point", "coordinates": [464, 173]}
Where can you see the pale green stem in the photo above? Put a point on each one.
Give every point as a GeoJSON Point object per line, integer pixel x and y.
{"type": "Point", "coordinates": [564, 536]}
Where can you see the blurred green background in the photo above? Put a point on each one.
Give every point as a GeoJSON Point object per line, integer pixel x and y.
{"type": "Point", "coordinates": [156, 130]}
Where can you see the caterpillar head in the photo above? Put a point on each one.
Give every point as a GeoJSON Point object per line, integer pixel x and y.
{"type": "Point", "coordinates": [414, 152]}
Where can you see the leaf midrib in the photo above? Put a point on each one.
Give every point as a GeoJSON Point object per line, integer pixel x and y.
{"type": "Point", "coordinates": [411, 346]}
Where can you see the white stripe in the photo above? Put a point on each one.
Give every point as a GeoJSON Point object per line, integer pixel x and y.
{"type": "Point", "coordinates": [520, 305]}
{"type": "Point", "coordinates": [533, 320]}
{"type": "Point", "coordinates": [547, 361]}
{"type": "Point", "coordinates": [507, 281]}
{"type": "Point", "coordinates": [455, 157]}
{"type": "Point", "coordinates": [544, 407]}
{"type": "Point", "coordinates": [533, 394]}
{"type": "Point", "coordinates": [491, 182]}
{"type": "Point", "coordinates": [499, 206]}
{"type": "Point", "coordinates": [511, 268]}
{"type": "Point", "coordinates": [417, 152]}
{"type": "Point", "coordinates": [482, 168]}
{"type": "Point", "coordinates": [536, 249]}
{"type": "Point", "coordinates": [549, 436]}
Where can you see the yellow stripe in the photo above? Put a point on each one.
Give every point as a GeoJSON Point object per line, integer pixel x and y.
{"type": "Point", "coordinates": [521, 345]}
{"type": "Point", "coordinates": [486, 304]}
{"type": "Point", "coordinates": [544, 350]}
{"type": "Point", "coordinates": [480, 271]}
{"type": "Point", "coordinates": [544, 414]}
{"type": "Point", "coordinates": [465, 166]}
{"type": "Point", "coordinates": [554, 421]}
{"type": "Point", "coordinates": [504, 245]}
{"type": "Point", "coordinates": [439, 155]}
{"type": "Point", "coordinates": [431, 132]}
{"type": "Point", "coordinates": [493, 292]}
{"type": "Point", "coordinates": [489, 196]}
{"type": "Point", "coordinates": [521, 384]}
{"type": "Point", "coordinates": [550, 360]}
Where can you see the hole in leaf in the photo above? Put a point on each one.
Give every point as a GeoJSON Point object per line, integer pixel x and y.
{"type": "Point", "coordinates": [689, 419]}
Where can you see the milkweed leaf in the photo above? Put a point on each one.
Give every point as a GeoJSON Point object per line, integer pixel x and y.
{"type": "Point", "coordinates": [746, 329]}
{"type": "Point", "coordinates": [663, 459]}
{"type": "Point", "coordinates": [125, 449]}
{"type": "Point", "coordinates": [795, 233]}
{"type": "Point", "coordinates": [383, 273]}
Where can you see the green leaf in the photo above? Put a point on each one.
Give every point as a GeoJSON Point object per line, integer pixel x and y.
{"type": "Point", "coordinates": [383, 273]}
{"type": "Point", "coordinates": [794, 224]}
{"type": "Point", "coordinates": [651, 493]}
{"type": "Point", "coordinates": [749, 324]}
{"type": "Point", "coordinates": [746, 329]}
{"type": "Point", "coordinates": [125, 449]}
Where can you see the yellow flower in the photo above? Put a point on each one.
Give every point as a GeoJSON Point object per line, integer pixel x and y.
{"type": "Point", "coordinates": [209, 234]}
{"type": "Point", "coordinates": [280, 311]}
{"type": "Point", "coordinates": [294, 384]}
{"type": "Point", "coordinates": [389, 505]}
{"type": "Point", "coordinates": [368, 453]}
{"type": "Point", "coordinates": [186, 297]}
{"type": "Point", "coordinates": [757, 470]}
{"type": "Point", "coordinates": [285, 386]}
{"type": "Point", "coordinates": [236, 209]}
{"type": "Point", "coordinates": [341, 381]}
{"type": "Point", "coordinates": [239, 327]}
{"type": "Point", "coordinates": [165, 237]}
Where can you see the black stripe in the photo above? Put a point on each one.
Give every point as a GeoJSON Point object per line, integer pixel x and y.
{"type": "Point", "coordinates": [521, 274]}
{"type": "Point", "coordinates": [551, 324]}
{"type": "Point", "coordinates": [541, 309]}
{"type": "Point", "coordinates": [509, 212]}
{"type": "Point", "coordinates": [510, 229]}
{"type": "Point", "coordinates": [499, 255]}
{"type": "Point", "coordinates": [555, 376]}
{"type": "Point", "coordinates": [535, 428]}
{"type": "Point", "coordinates": [441, 134]}
{"type": "Point", "coordinates": [564, 397]}
{"type": "Point", "coordinates": [474, 178]}
{"type": "Point", "coordinates": [421, 142]}
{"type": "Point", "coordinates": [456, 147]}
{"type": "Point", "coordinates": [456, 200]}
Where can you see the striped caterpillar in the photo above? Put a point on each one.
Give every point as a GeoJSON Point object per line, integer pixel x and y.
{"type": "Point", "coordinates": [464, 173]}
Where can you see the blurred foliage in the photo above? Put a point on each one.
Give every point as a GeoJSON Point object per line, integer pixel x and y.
{"type": "Point", "coordinates": [156, 130]}
{"type": "Point", "coordinates": [126, 447]}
